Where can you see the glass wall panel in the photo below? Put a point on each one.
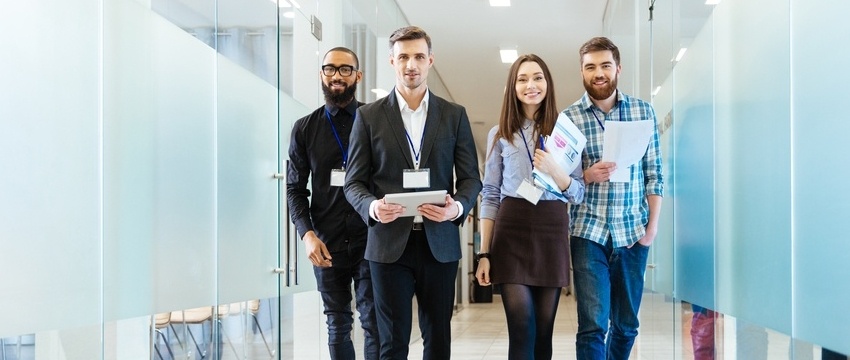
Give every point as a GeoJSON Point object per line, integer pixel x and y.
{"type": "Point", "coordinates": [753, 161]}
{"type": "Point", "coordinates": [655, 37]}
{"type": "Point", "coordinates": [50, 187]}
{"type": "Point", "coordinates": [820, 203]}
{"type": "Point", "coordinates": [158, 165]}
{"type": "Point", "coordinates": [246, 149]}
{"type": "Point", "coordinates": [159, 172]}
{"type": "Point", "coordinates": [693, 120]}
{"type": "Point", "coordinates": [304, 57]}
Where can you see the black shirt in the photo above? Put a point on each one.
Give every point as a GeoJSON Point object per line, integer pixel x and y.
{"type": "Point", "coordinates": [314, 150]}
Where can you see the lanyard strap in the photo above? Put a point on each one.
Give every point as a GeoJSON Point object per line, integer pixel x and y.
{"type": "Point", "coordinates": [421, 142]}
{"type": "Point", "coordinates": [531, 160]}
{"type": "Point", "coordinates": [338, 141]}
{"type": "Point", "coordinates": [619, 115]}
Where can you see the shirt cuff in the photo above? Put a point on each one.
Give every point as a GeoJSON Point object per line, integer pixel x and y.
{"type": "Point", "coordinates": [459, 210]}
{"type": "Point", "coordinates": [372, 207]}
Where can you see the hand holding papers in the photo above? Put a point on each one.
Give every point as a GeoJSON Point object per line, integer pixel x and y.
{"type": "Point", "coordinates": [625, 143]}
{"type": "Point", "coordinates": [565, 144]}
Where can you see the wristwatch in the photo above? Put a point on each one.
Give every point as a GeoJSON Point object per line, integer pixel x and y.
{"type": "Point", "coordinates": [482, 255]}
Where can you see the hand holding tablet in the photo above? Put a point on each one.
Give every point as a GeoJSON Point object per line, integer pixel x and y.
{"type": "Point", "coordinates": [412, 200]}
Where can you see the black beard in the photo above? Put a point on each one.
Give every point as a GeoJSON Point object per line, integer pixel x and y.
{"type": "Point", "coordinates": [339, 98]}
{"type": "Point", "coordinates": [601, 94]}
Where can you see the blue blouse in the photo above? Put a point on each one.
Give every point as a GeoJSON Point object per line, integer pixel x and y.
{"type": "Point", "coordinates": [507, 165]}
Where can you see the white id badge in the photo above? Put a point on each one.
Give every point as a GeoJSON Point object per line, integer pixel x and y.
{"type": "Point", "coordinates": [415, 179]}
{"type": "Point", "coordinates": [529, 192]}
{"type": "Point", "coordinates": [337, 177]}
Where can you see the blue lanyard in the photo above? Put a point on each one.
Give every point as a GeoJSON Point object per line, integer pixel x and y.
{"type": "Point", "coordinates": [338, 141]}
{"type": "Point", "coordinates": [421, 141]}
{"type": "Point", "coordinates": [619, 115]}
{"type": "Point", "coordinates": [521, 133]}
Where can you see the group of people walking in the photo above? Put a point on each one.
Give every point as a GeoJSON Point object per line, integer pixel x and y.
{"type": "Point", "coordinates": [354, 154]}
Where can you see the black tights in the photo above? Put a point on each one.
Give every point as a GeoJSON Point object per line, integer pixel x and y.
{"type": "Point", "coordinates": [530, 312]}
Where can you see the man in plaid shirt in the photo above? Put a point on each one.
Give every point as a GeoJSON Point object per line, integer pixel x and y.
{"type": "Point", "coordinates": [611, 231]}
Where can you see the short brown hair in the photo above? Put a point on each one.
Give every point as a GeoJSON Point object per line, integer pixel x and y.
{"type": "Point", "coordinates": [409, 33]}
{"type": "Point", "coordinates": [599, 43]}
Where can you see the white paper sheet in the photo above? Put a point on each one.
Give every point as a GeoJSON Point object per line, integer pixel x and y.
{"type": "Point", "coordinates": [566, 144]}
{"type": "Point", "coordinates": [625, 143]}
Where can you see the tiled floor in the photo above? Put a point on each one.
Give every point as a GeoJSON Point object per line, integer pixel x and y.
{"type": "Point", "coordinates": [479, 331]}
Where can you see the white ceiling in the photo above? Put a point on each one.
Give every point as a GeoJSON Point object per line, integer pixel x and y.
{"type": "Point", "coordinates": [466, 36]}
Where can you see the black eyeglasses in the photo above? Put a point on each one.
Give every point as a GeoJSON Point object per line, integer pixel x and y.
{"type": "Point", "coordinates": [344, 70]}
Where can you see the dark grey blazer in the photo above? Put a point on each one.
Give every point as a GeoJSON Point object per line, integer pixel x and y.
{"type": "Point", "coordinates": [379, 152]}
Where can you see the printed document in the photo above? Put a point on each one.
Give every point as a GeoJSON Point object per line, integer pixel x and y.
{"type": "Point", "coordinates": [625, 143]}
{"type": "Point", "coordinates": [566, 144]}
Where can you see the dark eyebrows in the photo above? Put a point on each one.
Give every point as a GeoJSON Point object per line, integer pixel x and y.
{"type": "Point", "coordinates": [411, 55]}
{"type": "Point", "coordinates": [585, 66]}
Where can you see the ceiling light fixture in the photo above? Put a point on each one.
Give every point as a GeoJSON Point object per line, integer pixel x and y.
{"type": "Point", "coordinates": [508, 55]}
{"type": "Point", "coordinates": [295, 3]}
{"type": "Point", "coordinates": [500, 2]}
{"type": "Point", "coordinates": [680, 55]}
{"type": "Point", "coordinates": [289, 15]}
{"type": "Point", "coordinates": [657, 89]}
{"type": "Point", "coordinates": [712, 2]}
{"type": "Point", "coordinates": [281, 3]}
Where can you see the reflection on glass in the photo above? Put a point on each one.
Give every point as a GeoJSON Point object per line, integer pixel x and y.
{"type": "Point", "coordinates": [18, 347]}
{"type": "Point", "coordinates": [246, 33]}
{"type": "Point", "coordinates": [241, 330]}
{"type": "Point", "coordinates": [699, 331]}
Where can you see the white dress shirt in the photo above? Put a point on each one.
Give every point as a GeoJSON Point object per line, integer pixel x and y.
{"type": "Point", "coordinates": [414, 124]}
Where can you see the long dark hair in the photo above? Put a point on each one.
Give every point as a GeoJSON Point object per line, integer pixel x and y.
{"type": "Point", "coordinates": [512, 117]}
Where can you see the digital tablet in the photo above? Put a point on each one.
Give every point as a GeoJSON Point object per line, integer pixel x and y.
{"type": "Point", "coordinates": [411, 200]}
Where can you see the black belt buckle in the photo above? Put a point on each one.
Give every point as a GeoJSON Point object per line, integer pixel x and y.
{"type": "Point", "coordinates": [418, 226]}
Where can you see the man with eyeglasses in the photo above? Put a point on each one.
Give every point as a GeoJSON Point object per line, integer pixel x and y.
{"type": "Point", "coordinates": [334, 235]}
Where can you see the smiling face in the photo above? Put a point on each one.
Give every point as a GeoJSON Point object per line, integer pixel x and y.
{"type": "Point", "coordinates": [530, 85]}
{"type": "Point", "coordinates": [600, 73]}
{"type": "Point", "coordinates": [411, 60]}
{"type": "Point", "coordinates": [337, 88]}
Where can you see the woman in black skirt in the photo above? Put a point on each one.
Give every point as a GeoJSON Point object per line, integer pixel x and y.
{"type": "Point", "coordinates": [525, 229]}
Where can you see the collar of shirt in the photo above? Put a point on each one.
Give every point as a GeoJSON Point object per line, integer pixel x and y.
{"type": "Point", "coordinates": [414, 120]}
{"type": "Point", "coordinates": [351, 108]}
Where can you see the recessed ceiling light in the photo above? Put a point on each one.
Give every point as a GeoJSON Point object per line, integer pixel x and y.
{"type": "Point", "coordinates": [500, 2]}
{"type": "Point", "coordinates": [289, 15]}
{"type": "Point", "coordinates": [712, 2]}
{"type": "Point", "coordinates": [508, 56]}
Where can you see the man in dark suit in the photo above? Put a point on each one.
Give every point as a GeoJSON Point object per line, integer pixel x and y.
{"type": "Point", "coordinates": [409, 141]}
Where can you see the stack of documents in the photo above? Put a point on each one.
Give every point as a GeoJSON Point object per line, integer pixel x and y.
{"type": "Point", "coordinates": [566, 144]}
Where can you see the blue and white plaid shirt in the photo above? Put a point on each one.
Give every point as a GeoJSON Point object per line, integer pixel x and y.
{"type": "Point", "coordinates": [618, 210]}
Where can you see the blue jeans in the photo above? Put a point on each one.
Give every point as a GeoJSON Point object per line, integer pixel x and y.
{"type": "Point", "coordinates": [334, 284]}
{"type": "Point", "coordinates": [608, 287]}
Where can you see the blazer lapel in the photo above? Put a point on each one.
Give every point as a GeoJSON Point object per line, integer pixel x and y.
{"type": "Point", "coordinates": [397, 127]}
{"type": "Point", "coordinates": [432, 125]}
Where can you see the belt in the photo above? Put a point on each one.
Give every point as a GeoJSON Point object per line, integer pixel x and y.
{"type": "Point", "coordinates": [418, 226]}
